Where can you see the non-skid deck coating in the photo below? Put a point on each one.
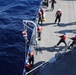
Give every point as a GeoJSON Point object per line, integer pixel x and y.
{"type": "Point", "coordinates": [49, 38]}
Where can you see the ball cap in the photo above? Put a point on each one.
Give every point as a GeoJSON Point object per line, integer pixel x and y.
{"type": "Point", "coordinates": [64, 33]}
{"type": "Point", "coordinates": [29, 50]}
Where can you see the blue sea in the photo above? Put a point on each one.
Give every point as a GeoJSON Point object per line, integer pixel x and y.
{"type": "Point", "coordinates": [12, 43]}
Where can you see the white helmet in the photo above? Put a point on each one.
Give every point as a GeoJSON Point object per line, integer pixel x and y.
{"type": "Point", "coordinates": [59, 9]}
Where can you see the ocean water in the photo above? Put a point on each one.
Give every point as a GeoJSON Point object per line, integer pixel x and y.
{"type": "Point", "coordinates": [12, 43]}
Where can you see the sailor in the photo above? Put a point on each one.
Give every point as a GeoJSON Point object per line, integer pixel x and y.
{"type": "Point", "coordinates": [58, 16]}
{"type": "Point", "coordinates": [43, 14]}
{"type": "Point", "coordinates": [39, 31]}
{"type": "Point", "coordinates": [73, 42]}
{"type": "Point", "coordinates": [24, 32]}
{"type": "Point", "coordinates": [42, 11]}
{"type": "Point", "coordinates": [27, 66]}
{"type": "Point", "coordinates": [40, 17]}
{"type": "Point", "coordinates": [45, 2]}
{"type": "Point", "coordinates": [63, 38]}
{"type": "Point", "coordinates": [52, 2]}
{"type": "Point", "coordinates": [26, 38]}
{"type": "Point", "coordinates": [31, 57]}
{"type": "Point", "coordinates": [25, 35]}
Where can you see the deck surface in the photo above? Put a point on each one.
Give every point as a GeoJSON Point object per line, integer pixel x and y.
{"type": "Point", "coordinates": [50, 30]}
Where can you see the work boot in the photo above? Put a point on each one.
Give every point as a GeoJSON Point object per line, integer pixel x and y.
{"type": "Point", "coordinates": [55, 45]}
{"type": "Point", "coordinates": [69, 47]}
{"type": "Point", "coordinates": [54, 22]}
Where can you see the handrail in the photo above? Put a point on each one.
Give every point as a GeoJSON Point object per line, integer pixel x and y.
{"type": "Point", "coordinates": [34, 69]}
{"type": "Point", "coordinates": [34, 30]}
{"type": "Point", "coordinates": [33, 24]}
{"type": "Point", "coordinates": [31, 29]}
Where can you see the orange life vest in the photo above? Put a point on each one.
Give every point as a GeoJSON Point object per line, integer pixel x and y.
{"type": "Point", "coordinates": [41, 11]}
{"type": "Point", "coordinates": [74, 39]}
{"type": "Point", "coordinates": [39, 29]}
{"type": "Point", "coordinates": [58, 14]}
{"type": "Point", "coordinates": [40, 14]}
{"type": "Point", "coordinates": [27, 66]}
{"type": "Point", "coordinates": [31, 54]}
{"type": "Point", "coordinates": [64, 37]}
